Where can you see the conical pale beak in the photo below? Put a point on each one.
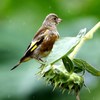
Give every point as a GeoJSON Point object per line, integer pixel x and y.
{"type": "Point", "coordinates": [59, 20]}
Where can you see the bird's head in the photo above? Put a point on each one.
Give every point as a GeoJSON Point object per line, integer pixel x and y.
{"type": "Point", "coordinates": [51, 20]}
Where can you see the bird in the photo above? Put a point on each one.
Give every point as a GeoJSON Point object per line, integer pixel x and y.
{"type": "Point", "coordinates": [43, 41]}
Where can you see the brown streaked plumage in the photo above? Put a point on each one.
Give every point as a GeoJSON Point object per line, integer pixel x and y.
{"type": "Point", "coordinates": [43, 41]}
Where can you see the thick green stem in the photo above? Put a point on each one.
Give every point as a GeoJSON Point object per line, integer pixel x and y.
{"type": "Point", "coordinates": [88, 36]}
{"type": "Point", "coordinates": [77, 96]}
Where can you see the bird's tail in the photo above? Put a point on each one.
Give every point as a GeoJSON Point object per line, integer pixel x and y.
{"type": "Point", "coordinates": [23, 59]}
{"type": "Point", "coordinates": [16, 65]}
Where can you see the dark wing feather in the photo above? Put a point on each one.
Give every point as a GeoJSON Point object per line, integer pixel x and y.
{"type": "Point", "coordinates": [33, 46]}
{"type": "Point", "coordinates": [39, 37]}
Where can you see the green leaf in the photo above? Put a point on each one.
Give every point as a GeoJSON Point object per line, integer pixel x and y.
{"type": "Point", "coordinates": [68, 64]}
{"type": "Point", "coordinates": [87, 67]}
{"type": "Point", "coordinates": [78, 69]}
{"type": "Point", "coordinates": [62, 47]}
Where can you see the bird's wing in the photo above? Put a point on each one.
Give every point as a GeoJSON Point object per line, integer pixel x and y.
{"type": "Point", "coordinates": [33, 45]}
{"type": "Point", "coordinates": [38, 36]}
{"type": "Point", "coordinates": [38, 39]}
{"type": "Point", "coordinates": [41, 31]}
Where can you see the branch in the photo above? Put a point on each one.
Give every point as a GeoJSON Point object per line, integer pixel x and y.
{"type": "Point", "coordinates": [88, 36]}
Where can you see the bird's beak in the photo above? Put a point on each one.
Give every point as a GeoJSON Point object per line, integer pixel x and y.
{"type": "Point", "coordinates": [59, 20]}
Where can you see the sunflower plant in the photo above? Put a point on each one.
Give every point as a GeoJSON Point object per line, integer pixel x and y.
{"type": "Point", "coordinates": [62, 69]}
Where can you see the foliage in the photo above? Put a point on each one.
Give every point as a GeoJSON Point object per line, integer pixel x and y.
{"type": "Point", "coordinates": [61, 71]}
{"type": "Point", "coordinates": [19, 20]}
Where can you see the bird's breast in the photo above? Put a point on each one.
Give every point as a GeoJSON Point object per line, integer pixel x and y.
{"type": "Point", "coordinates": [48, 42]}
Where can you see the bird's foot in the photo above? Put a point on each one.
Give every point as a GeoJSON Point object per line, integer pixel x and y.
{"type": "Point", "coordinates": [41, 61]}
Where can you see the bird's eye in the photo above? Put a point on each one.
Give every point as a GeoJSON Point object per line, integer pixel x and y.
{"type": "Point", "coordinates": [55, 19]}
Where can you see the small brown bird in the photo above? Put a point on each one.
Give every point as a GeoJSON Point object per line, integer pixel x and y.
{"type": "Point", "coordinates": [43, 41]}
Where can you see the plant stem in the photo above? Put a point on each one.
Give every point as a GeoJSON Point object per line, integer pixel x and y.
{"type": "Point", "coordinates": [88, 36]}
{"type": "Point", "coordinates": [77, 96]}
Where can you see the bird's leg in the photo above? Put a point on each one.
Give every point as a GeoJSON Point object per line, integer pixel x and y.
{"type": "Point", "coordinates": [41, 61]}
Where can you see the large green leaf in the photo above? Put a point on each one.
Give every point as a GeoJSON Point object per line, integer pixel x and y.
{"type": "Point", "coordinates": [68, 64]}
{"type": "Point", "coordinates": [64, 46]}
{"type": "Point", "coordinates": [86, 66]}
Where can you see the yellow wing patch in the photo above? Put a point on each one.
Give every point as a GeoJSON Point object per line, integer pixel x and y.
{"type": "Point", "coordinates": [34, 47]}
{"type": "Point", "coordinates": [33, 43]}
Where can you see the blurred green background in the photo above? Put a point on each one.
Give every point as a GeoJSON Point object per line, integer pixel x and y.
{"type": "Point", "coordinates": [19, 20]}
